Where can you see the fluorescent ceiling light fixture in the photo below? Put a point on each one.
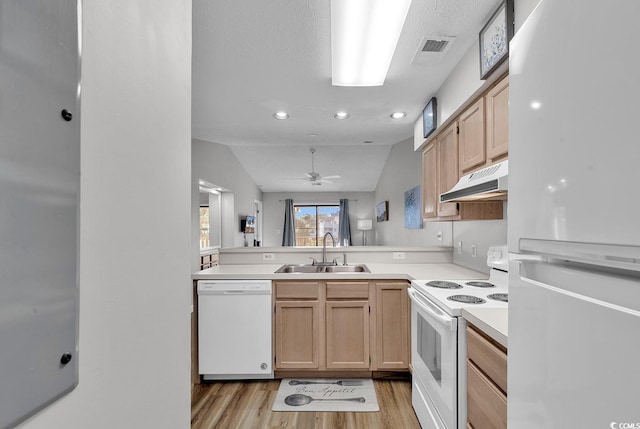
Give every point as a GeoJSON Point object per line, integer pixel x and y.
{"type": "Point", "coordinates": [398, 115]}
{"type": "Point", "coordinates": [281, 115]}
{"type": "Point", "coordinates": [341, 115]}
{"type": "Point", "coordinates": [364, 35]}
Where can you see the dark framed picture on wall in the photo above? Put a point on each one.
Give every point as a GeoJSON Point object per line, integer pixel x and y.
{"type": "Point", "coordinates": [382, 211]}
{"type": "Point", "coordinates": [494, 39]}
{"type": "Point", "coordinates": [429, 117]}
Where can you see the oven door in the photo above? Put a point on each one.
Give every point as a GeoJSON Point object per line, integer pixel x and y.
{"type": "Point", "coordinates": [434, 356]}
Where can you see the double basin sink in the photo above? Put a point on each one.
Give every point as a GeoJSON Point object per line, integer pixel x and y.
{"type": "Point", "coordinates": [309, 268]}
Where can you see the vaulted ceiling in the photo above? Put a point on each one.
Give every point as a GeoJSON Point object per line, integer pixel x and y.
{"type": "Point", "coordinates": [252, 58]}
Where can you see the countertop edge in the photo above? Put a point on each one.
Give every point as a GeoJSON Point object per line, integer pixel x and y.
{"type": "Point", "coordinates": [491, 321]}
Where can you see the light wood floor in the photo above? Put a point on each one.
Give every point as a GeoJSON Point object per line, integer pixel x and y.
{"type": "Point", "coordinates": [247, 405]}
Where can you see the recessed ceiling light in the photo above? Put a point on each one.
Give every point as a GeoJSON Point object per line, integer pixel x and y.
{"type": "Point", "coordinates": [341, 115]}
{"type": "Point", "coordinates": [281, 115]}
{"type": "Point", "coordinates": [398, 115]}
{"type": "Point", "coordinates": [312, 135]}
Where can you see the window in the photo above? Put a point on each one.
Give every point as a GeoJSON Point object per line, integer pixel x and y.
{"type": "Point", "coordinates": [204, 227]}
{"type": "Point", "coordinates": [314, 221]}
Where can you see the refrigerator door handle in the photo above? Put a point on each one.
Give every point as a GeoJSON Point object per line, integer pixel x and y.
{"type": "Point", "coordinates": [572, 294]}
{"type": "Point", "coordinates": [526, 258]}
{"type": "Point", "coordinates": [621, 257]}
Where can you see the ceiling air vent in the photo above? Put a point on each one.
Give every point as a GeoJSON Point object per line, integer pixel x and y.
{"type": "Point", "coordinates": [433, 45]}
{"type": "Point", "coordinates": [432, 49]}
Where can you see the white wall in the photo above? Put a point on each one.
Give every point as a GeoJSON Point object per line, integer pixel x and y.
{"type": "Point", "coordinates": [216, 164]}
{"type": "Point", "coordinates": [361, 206]}
{"type": "Point", "coordinates": [402, 172]}
{"type": "Point", "coordinates": [134, 357]}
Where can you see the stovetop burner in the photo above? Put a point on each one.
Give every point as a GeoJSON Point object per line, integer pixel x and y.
{"type": "Point", "coordinates": [467, 299]}
{"type": "Point", "coordinates": [480, 284]}
{"type": "Point", "coordinates": [504, 297]}
{"type": "Point", "coordinates": [444, 284]}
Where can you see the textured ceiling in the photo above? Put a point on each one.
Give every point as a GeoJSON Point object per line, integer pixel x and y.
{"type": "Point", "coordinates": [252, 58]}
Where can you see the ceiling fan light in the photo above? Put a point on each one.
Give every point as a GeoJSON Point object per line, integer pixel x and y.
{"type": "Point", "coordinates": [364, 35]}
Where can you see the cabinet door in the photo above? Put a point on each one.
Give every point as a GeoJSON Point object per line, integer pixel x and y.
{"type": "Point", "coordinates": [498, 120]}
{"type": "Point", "coordinates": [297, 334]}
{"type": "Point", "coordinates": [430, 182]}
{"type": "Point", "coordinates": [392, 326]}
{"type": "Point", "coordinates": [472, 137]}
{"type": "Point", "coordinates": [486, 404]}
{"type": "Point", "coordinates": [447, 167]}
{"type": "Point", "coordinates": [347, 334]}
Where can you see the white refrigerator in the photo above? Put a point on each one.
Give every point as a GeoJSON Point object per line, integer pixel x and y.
{"type": "Point", "coordinates": [574, 217]}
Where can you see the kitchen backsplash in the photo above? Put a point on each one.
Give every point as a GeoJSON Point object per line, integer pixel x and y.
{"type": "Point", "coordinates": [481, 234]}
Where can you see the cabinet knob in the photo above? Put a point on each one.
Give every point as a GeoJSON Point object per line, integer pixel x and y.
{"type": "Point", "coordinates": [66, 358]}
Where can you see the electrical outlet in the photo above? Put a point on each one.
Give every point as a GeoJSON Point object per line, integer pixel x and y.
{"type": "Point", "coordinates": [459, 247]}
{"type": "Point", "coordinates": [398, 255]}
{"type": "Point", "coordinates": [268, 257]}
{"type": "Point", "coordinates": [439, 235]}
{"type": "Point", "coordinates": [474, 251]}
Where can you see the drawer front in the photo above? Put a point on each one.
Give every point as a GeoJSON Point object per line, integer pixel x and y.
{"type": "Point", "coordinates": [488, 357]}
{"type": "Point", "coordinates": [297, 290]}
{"type": "Point", "coordinates": [486, 404]}
{"type": "Point", "coordinates": [349, 290]}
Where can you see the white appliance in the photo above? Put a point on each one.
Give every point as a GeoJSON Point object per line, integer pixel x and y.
{"type": "Point", "coordinates": [490, 182]}
{"type": "Point", "coordinates": [234, 329]}
{"type": "Point", "coordinates": [573, 231]}
{"type": "Point", "coordinates": [438, 340]}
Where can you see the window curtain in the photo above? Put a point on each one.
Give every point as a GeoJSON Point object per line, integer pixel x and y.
{"type": "Point", "coordinates": [345, 230]}
{"type": "Point", "coordinates": [289, 230]}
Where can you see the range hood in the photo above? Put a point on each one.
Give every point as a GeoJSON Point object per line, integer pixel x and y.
{"type": "Point", "coordinates": [490, 183]}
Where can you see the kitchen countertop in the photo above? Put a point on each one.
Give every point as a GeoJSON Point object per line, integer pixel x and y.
{"type": "Point", "coordinates": [378, 271]}
{"type": "Point", "coordinates": [492, 321]}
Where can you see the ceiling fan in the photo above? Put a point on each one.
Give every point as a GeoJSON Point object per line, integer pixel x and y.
{"type": "Point", "coordinates": [313, 177]}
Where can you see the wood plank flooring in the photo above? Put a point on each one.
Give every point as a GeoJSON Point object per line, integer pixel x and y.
{"type": "Point", "coordinates": [247, 405]}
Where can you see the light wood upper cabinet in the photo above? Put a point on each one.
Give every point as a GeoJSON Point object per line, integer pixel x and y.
{"type": "Point", "coordinates": [347, 334]}
{"type": "Point", "coordinates": [447, 167]}
{"type": "Point", "coordinates": [392, 326]}
{"type": "Point", "coordinates": [472, 137]}
{"type": "Point", "coordinates": [430, 181]}
{"type": "Point", "coordinates": [497, 104]}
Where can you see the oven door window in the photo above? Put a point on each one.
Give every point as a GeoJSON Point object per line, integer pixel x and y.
{"type": "Point", "coordinates": [430, 348]}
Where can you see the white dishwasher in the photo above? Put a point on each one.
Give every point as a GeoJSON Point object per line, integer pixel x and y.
{"type": "Point", "coordinates": [234, 329]}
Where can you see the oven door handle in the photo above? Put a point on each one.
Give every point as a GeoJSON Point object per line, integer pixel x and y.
{"type": "Point", "coordinates": [431, 309]}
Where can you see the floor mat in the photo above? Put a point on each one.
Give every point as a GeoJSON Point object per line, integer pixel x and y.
{"type": "Point", "coordinates": [315, 394]}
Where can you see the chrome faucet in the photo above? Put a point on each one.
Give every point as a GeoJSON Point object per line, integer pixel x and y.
{"type": "Point", "coordinates": [324, 249]}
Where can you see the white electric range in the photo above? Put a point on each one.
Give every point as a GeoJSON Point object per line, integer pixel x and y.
{"type": "Point", "coordinates": [438, 340]}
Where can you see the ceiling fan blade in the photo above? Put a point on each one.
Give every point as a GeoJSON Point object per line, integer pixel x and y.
{"type": "Point", "coordinates": [330, 177]}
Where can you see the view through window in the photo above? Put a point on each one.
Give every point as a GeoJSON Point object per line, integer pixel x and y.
{"type": "Point", "coordinates": [314, 221]}
{"type": "Point", "coordinates": [204, 227]}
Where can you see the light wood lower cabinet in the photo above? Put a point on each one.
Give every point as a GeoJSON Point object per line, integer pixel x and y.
{"type": "Point", "coordinates": [341, 325]}
{"type": "Point", "coordinates": [486, 381]}
{"type": "Point", "coordinates": [347, 334]}
{"type": "Point", "coordinates": [297, 334]}
{"type": "Point", "coordinates": [392, 326]}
